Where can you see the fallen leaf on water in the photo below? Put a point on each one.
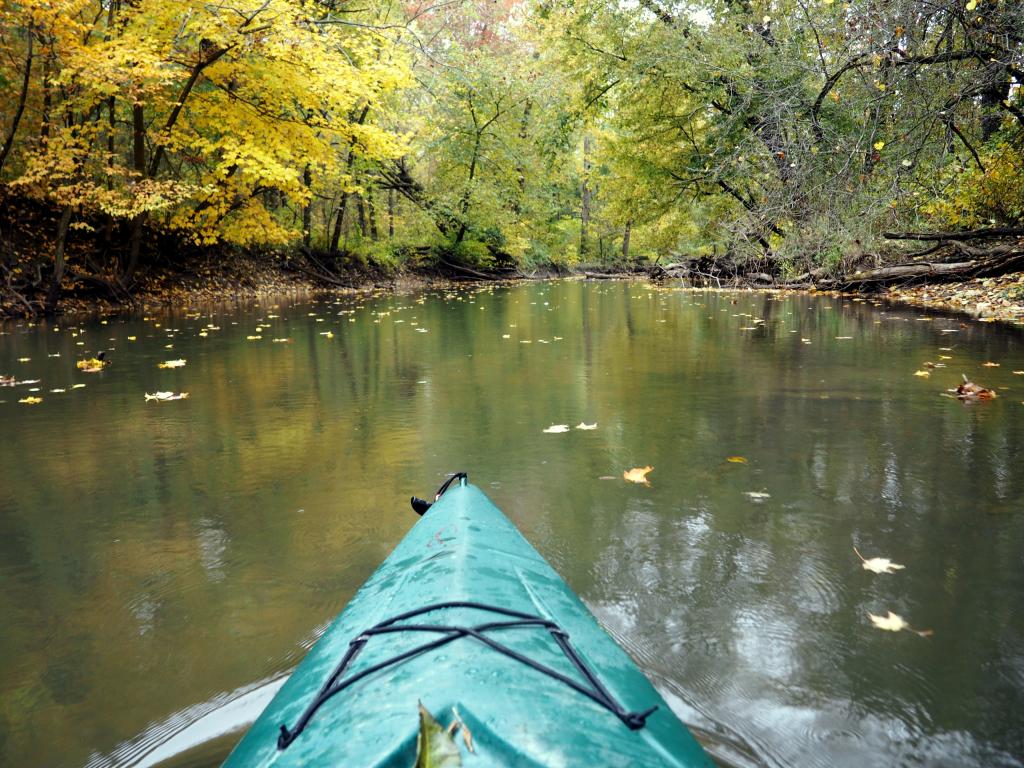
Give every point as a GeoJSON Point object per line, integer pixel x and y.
{"type": "Point", "coordinates": [30, 400]}
{"type": "Point", "coordinates": [923, 374]}
{"type": "Point", "coordinates": [92, 365]}
{"type": "Point", "coordinates": [990, 364]}
{"type": "Point", "coordinates": [607, 477]}
{"type": "Point", "coordinates": [253, 338]}
{"type": "Point", "coordinates": [556, 428]}
{"type": "Point", "coordinates": [757, 495]}
{"type": "Point", "coordinates": [282, 341]}
{"type": "Point", "coordinates": [893, 622]}
{"type": "Point", "coordinates": [58, 391]}
{"type": "Point", "coordinates": [583, 425]}
{"type": "Point", "coordinates": [131, 338]}
{"type": "Point", "coordinates": [878, 564]}
{"type": "Point", "coordinates": [637, 474]}
{"type": "Point", "coordinates": [1018, 373]}
{"type": "Point", "coordinates": [161, 397]}
{"type": "Point", "coordinates": [971, 391]}
{"type": "Point", "coordinates": [24, 359]}
{"type": "Point", "coordinates": [736, 460]}
{"type": "Point", "coordinates": [172, 364]}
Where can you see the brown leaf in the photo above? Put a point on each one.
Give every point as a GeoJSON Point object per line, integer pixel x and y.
{"type": "Point", "coordinates": [637, 474]}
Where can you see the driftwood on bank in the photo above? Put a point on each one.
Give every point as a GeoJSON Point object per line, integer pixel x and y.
{"type": "Point", "coordinates": [979, 262]}
{"type": "Point", "coordinates": [954, 256]}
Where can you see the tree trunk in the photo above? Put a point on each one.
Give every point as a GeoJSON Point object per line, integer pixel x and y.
{"type": "Point", "coordinates": [585, 199]}
{"type": "Point", "coordinates": [464, 205]}
{"type": "Point", "coordinates": [44, 124]}
{"type": "Point", "coordinates": [22, 96]}
{"type": "Point", "coordinates": [53, 294]}
{"type": "Point", "coordinates": [391, 214]}
{"type": "Point", "coordinates": [336, 234]}
{"type": "Point", "coordinates": [307, 209]}
{"type": "Point", "coordinates": [625, 239]}
{"type": "Point", "coordinates": [361, 213]}
{"type": "Point", "coordinates": [371, 212]}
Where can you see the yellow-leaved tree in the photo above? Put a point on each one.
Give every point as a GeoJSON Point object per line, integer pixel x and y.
{"type": "Point", "coordinates": [216, 121]}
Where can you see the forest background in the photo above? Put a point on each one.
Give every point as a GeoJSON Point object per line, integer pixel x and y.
{"type": "Point", "coordinates": [787, 140]}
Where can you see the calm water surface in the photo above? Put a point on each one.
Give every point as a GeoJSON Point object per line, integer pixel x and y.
{"type": "Point", "coordinates": [162, 564]}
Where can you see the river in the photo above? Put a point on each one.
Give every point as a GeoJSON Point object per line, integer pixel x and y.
{"type": "Point", "coordinates": [159, 560]}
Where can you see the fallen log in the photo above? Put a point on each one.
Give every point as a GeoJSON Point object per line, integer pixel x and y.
{"type": "Point", "coordinates": [996, 262]}
{"type": "Point", "coordinates": [468, 271]}
{"type": "Point", "coordinates": [972, 234]}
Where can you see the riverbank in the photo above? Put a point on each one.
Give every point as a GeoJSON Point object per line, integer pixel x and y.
{"type": "Point", "coordinates": [238, 277]}
{"type": "Point", "coordinates": [990, 299]}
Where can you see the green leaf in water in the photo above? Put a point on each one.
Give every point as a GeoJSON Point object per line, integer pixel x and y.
{"type": "Point", "coordinates": [434, 747]}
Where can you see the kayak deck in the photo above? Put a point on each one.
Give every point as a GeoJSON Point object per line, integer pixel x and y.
{"type": "Point", "coordinates": [464, 550]}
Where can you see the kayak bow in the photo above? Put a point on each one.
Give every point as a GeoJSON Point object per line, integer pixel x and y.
{"type": "Point", "coordinates": [468, 619]}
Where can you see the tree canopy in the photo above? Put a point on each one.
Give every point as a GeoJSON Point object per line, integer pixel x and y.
{"type": "Point", "coordinates": [787, 135]}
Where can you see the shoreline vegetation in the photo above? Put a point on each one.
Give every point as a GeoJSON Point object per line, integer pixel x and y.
{"type": "Point", "coordinates": [150, 151]}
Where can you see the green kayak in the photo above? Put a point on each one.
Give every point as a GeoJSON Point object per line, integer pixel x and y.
{"type": "Point", "coordinates": [467, 619]}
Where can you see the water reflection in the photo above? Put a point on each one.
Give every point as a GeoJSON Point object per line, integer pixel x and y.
{"type": "Point", "coordinates": [156, 555]}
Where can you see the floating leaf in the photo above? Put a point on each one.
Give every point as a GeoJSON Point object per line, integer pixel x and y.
{"type": "Point", "coordinates": [434, 747]}
{"type": "Point", "coordinates": [172, 364]}
{"type": "Point", "coordinates": [92, 364]}
{"type": "Point", "coordinates": [990, 364]}
{"type": "Point", "coordinates": [554, 429]}
{"type": "Point", "coordinates": [736, 460]}
{"type": "Point", "coordinates": [923, 374]}
{"type": "Point", "coordinates": [253, 338]}
{"type": "Point", "coordinates": [162, 397]}
{"type": "Point", "coordinates": [971, 391]}
{"type": "Point", "coordinates": [583, 425]}
{"type": "Point", "coordinates": [1018, 373]}
{"type": "Point", "coordinates": [637, 474]}
{"type": "Point", "coordinates": [878, 564]}
{"type": "Point", "coordinates": [30, 400]}
{"type": "Point", "coordinates": [757, 495]}
{"type": "Point", "coordinates": [893, 622]}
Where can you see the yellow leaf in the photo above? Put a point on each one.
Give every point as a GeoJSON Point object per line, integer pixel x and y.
{"type": "Point", "coordinates": [583, 425]}
{"type": "Point", "coordinates": [972, 5]}
{"type": "Point", "coordinates": [637, 474]}
{"type": "Point", "coordinates": [893, 622]}
{"type": "Point", "coordinates": [736, 460]}
{"type": "Point", "coordinates": [879, 564]}
{"type": "Point", "coordinates": [990, 364]}
{"type": "Point", "coordinates": [31, 400]}
{"type": "Point", "coordinates": [879, 145]}
{"type": "Point", "coordinates": [923, 374]}
{"type": "Point", "coordinates": [92, 365]}
{"type": "Point", "coordinates": [172, 364]}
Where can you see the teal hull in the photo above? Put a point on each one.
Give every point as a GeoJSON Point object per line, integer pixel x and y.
{"type": "Point", "coordinates": [465, 549]}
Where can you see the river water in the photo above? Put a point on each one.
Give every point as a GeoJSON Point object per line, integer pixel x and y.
{"type": "Point", "coordinates": [163, 564]}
